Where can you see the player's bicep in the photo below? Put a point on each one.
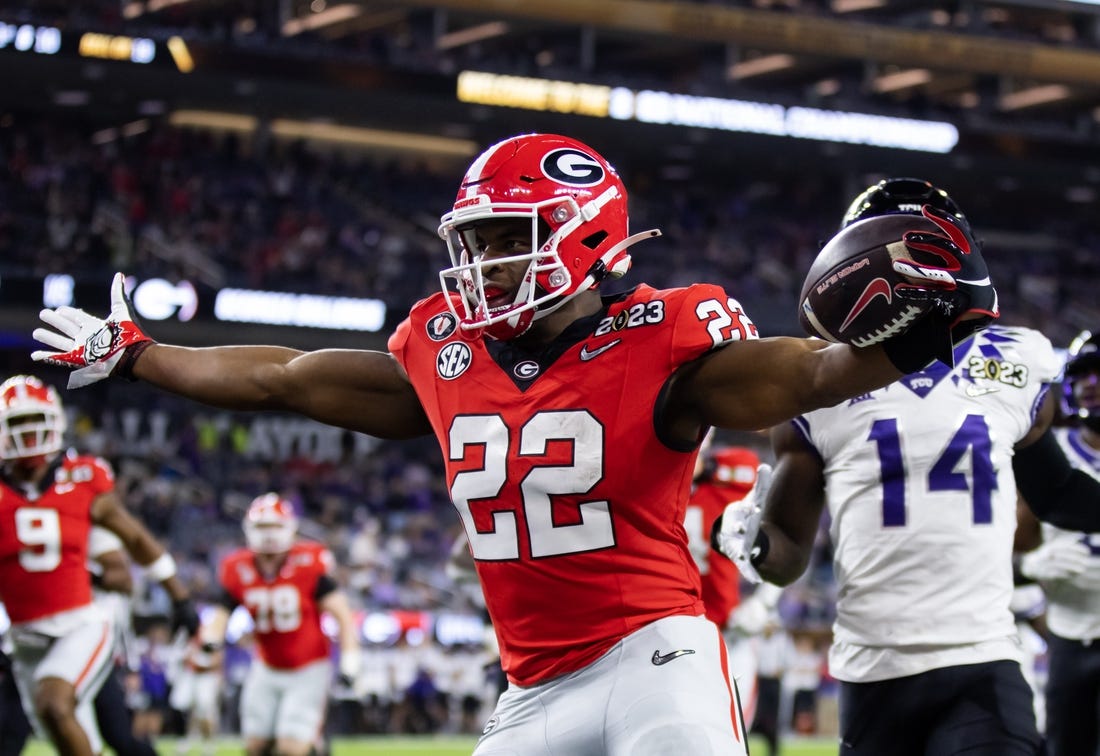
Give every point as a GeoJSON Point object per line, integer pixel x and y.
{"type": "Point", "coordinates": [361, 390]}
{"type": "Point", "coordinates": [109, 512]}
{"type": "Point", "coordinates": [749, 385]}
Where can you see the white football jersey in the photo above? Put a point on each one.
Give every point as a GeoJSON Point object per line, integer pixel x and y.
{"type": "Point", "coordinates": [920, 489]}
{"type": "Point", "coordinates": [1073, 605]}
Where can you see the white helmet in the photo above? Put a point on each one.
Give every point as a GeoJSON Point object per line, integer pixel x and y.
{"type": "Point", "coordinates": [32, 420]}
{"type": "Point", "coordinates": [270, 525]}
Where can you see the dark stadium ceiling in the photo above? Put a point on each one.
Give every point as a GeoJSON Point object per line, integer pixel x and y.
{"type": "Point", "coordinates": [1021, 80]}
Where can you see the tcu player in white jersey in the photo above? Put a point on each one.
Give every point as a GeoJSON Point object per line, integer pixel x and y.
{"type": "Point", "coordinates": [63, 642]}
{"type": "Point", "coordinates": [1067, 565]}
{"type": "Point", "coordinates": [918, 478]}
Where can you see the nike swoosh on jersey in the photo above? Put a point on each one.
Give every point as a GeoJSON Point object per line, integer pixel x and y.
{"type": "Point", "coordinates": [587, 355]}
{"type": "Point", "coordinates": [980, 282]}
{"type": "Point", "coordinates": [658, 659]}
{"type": "Point", "coordinates": [973, 390]}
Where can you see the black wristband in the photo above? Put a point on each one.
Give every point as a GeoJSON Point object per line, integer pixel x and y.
{"type": "Point", "coordinates": [125, 367]}
{"type": "Point", "coordinates": [761, 545]}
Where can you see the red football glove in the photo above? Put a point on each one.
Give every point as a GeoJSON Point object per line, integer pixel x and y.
{"type": "Point", "coordinates": [961, 285]}
{"type": "Point", "coordinates": [963, 296]}
{"type": "Point", "coordinates": [96, 348]}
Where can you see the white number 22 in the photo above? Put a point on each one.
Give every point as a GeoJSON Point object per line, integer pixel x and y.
{"type": "Point", "coordinates": [584, 432]}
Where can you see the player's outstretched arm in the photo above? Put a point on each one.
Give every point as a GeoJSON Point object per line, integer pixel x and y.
{"type": "Point", "coordinates": [360, 390]}
{"type": "Point", "coordinates": [749, 385]}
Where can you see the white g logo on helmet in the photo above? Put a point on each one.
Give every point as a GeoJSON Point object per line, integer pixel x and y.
{"type": "Point", "coordinates": [572, 167]}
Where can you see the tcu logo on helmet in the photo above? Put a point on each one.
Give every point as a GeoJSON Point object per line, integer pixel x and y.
{"type": "Point", "coordinates": [572, 167]}
{"type": "Point", "coordinates": [453, 360]}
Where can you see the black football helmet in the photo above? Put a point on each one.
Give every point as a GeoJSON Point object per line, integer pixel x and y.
{"type": "Point", "coordinates": [901, 196]}
{"type": "Point", "coordinates": [1082, 357]}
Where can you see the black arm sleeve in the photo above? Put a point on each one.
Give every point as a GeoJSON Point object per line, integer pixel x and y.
{"type": "Point", "coordinates": [1054, 490]}
{"type": "Point", "coordinates": [224, 599]}
{"type": "Point", "coordinates": [325, 585]}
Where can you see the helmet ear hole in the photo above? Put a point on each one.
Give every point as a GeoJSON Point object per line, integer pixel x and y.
{"type": "Point", "coordinates": [593, 241]}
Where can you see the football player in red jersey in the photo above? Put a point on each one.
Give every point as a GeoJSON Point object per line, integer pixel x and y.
{"type": "Point", "coordinates": [569, 424]}
{"type": "Point", "coordinates": [285, 584]}
{"type": "Point", "coordinates": [48, 502]}
{"type": "Point", "coordinates": [725, 474]}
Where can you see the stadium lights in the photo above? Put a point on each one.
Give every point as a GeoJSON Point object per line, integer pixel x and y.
{"type": "Point", "coordinates": [315, 21]}
{"type": "Point", "coordinates": [212, 119]}
{"type": "Point", "coordinates": [353, 135]}
{"type": "Point", "coordinates": [851, 6]}
{"type": "Point", "coordinates": [667, 108]}
{"type": "Point", "coordinates": [1027, 98]}
{"type": "Point", "coordinates": [478, 33]}
{"type": "Point", "coordinates": [301, 310]}
{"type": "Point", "coordinates": [318, 131]}
{"type": "Point", "coordinates": [898, 80]}
{"type": "Point", "coordinates": [762, 65]}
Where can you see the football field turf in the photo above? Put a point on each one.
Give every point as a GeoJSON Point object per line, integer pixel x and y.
{"type": "Point", "coordinates": [439, 746]}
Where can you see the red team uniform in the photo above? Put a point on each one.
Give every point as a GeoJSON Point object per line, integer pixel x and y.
{"type": "Point", "coordinates": [44, 540]}
{"type": "Point", "coordinates": [721, 580]}
{"type": "Point", "coordinates": [284, 608]}
{"type": "Point", "coordinates": [728, 475]}
{"type": "Point", "coordinates": [45, 588]}
{"type": "Point", "coordinates": [571, 543]}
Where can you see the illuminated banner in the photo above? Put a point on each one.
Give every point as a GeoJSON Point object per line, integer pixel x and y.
{"type": "Point", "coordinates": [160, 299]}
{"type": "Point", "coordinates": [667, 108]}
{"type": "Point", "coordinates": [49, 40]}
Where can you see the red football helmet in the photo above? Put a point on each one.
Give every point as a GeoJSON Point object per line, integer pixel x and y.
{"type": "Point", "coordinates": [270, 525]}
{"type": "Point", "coordinates": [32, 420]}
{"type": "Point", "coordinates": [571, 194]}
{"type": "Point", "coordinates": [734, 466]}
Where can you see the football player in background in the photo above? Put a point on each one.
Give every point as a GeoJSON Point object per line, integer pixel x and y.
{"type": "Point", "coordinates": [725, 474]}
{"type": "Point", "coordinates": [112, 587]}
{"type": "Point", "coordinates": [63, 641]}
{"type": "Point", "coordinates": [1067, 565]}
{"type": "Point", "coordinates": [569, 425]}
{"type": "Point", "coordinates": [285, 584]}
{"type": "Point", "coordinates": [918, 479]}
{"type": "Point", "coordinates": [196, 693]}
{"type": "Point", "coordinates": [112, 584]}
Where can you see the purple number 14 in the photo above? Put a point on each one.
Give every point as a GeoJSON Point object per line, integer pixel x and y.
{"type": "Point", "coordinates": [972, 436]}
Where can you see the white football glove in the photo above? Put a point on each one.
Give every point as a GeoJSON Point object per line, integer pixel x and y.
{"type": "Point", "coordinates": [348, 671]}
{"type": "Point", "coordinates": [91, 345]}
{"type": "Point", "coordinates": [751, 616]}
{"type": "Point", "coordinates": [741, 522]}
{"type": "Point", "coordinates": [1060, 559]}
